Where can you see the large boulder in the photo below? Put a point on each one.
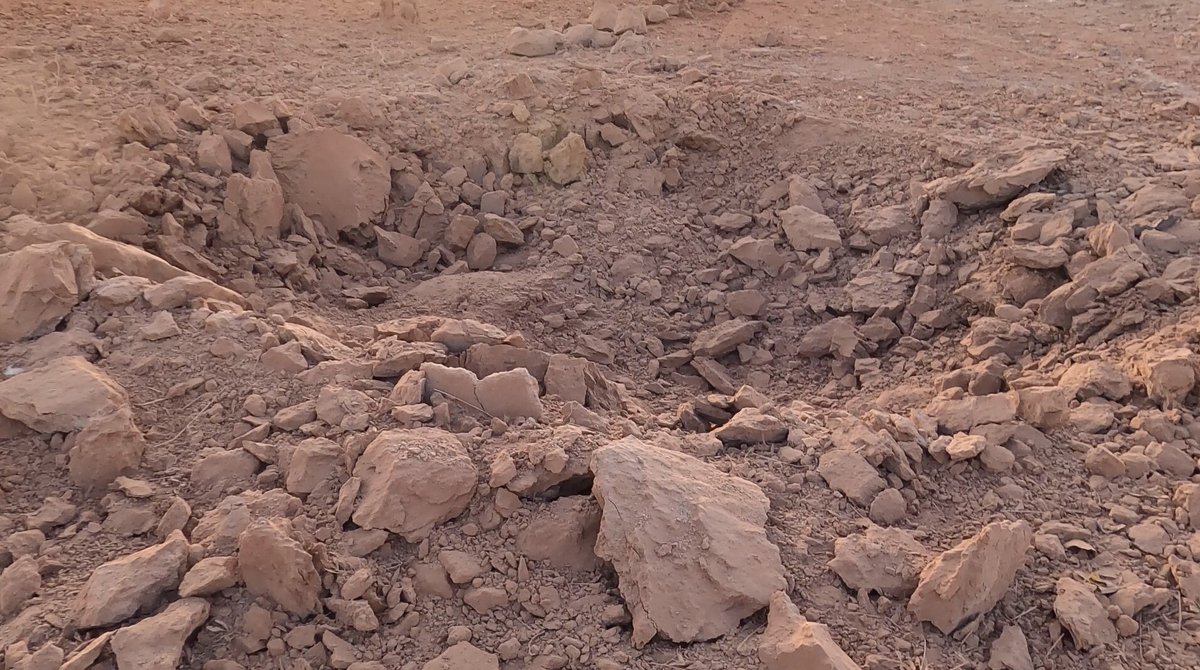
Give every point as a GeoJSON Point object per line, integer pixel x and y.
{"type": "Point", "coordinates": [39, 285]}
{"type": "Point", "coordinates": [337, 179]}
{"type": "Point", "coordinates": [721, 567]}
{"type": "Point", "coordinates": [413, 480]}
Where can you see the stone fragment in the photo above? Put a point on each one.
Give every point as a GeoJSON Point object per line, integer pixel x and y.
{"type": "Point", "coordinates": [751, 426]}
{"type": "Point", "coordinates": [273, 564]}
{"type": "Point", "coordinates": [1093, 379]}
{"type": "Point", "coordinates": [567, 160]}
{"type": "Point", "coordinates": [413, 480]}
{"type": "Point", "coordinates": [849, 473]}
{"type": "Point", "coordinates": [969, 579]}
{"type": "Point", "coordinates": [1010, 651]}
{"type": "Point", "coordinates": [532, 43]}
{"type": "Point", "coordinates": [156, 643]}
{"type": "Point", "coordinates": [254, 118]}
{"type": "Point", "coordinates": [1083, 615]}
{"type": "Point", "coordinates": [792, 643]}
{"type": "Point", "coordinates": [460, 566]}
{"type": "Point", "coordinates": [724, 337]}
{"type": "Point", "coordinates": [337, 179]}
{"type": "Point", "coordinates": [112, 257]}
{"type": "Point", "coordinates": [563, 534]}
{"type": "Point", "coordinates": [18, 583]}
{"type": "Point", "coordinates": [525, 154]}
{"type": "Point", "coordinates": [313, 461]}
{"type": "Point", "coordinates": [998, 178]}
{"type": "Point", "coordinates": [463, 656]}
{"type": "Point", "coordinates": [398, 249]}
{"type": "Point", "coordinates": [630, 19]}
{"type": "Point", "coordinates": [721, 569]}
{"type": "Point", "coordinates": [121, 587]}
{"type": "Point", "coordinates": [887, 561]}
{"type": "Point", "coordinates": [209, 576]}
{"type": "Point", "coordinates": [807, 230]}
{"type": "Point", "coordinates": [150, 125]}
{"type": "Point", "coordinates": [512, 394]}
{"type": "Point", "coordinates": [39, 286]}
{"type": "Point", "coordinates": [889, 507]}
{"type": "Point", "coordinates": [963, 446]}
{"type": "Point", "coordinates": [959, 414]}
{"type": "Point", "coordinates": [213, 155]}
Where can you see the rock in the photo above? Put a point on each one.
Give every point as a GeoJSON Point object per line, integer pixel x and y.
{"type": "Point", "coordinates": [750, 426]}
{"type": "Point", "coordinates": [150, 125]}
{"type": "Point", "coordinates": [566, 377]}
{"type": "Point", "coordinates": [110, 256]}
{"type": "Point", "coordinates": [481, 252]}
{"type": "Point", "coordinates": [121, 587]}
{"type": "Point", "coordinates": [563, 534]}
{"type": "Point", "coordinates": [887, 561]}
{"type": "Point", "coordinates": [18, 583]}
{"type": "Point", "coordinates": [532, 43]}
{"type": "Point", "coordinates": [1083, 615]}
{"type": "Point", "coordinates": [160, 327]}
{"type": "Point", "coordinates": [1186, 574]}
{"type": "Point", "coordinates": [463, 656]}
{"type": "Point", "coordinates": [413, 480]}
{"type": "Point", "coordinates": [220, 529]}
{"type": "Point", "coordinates": [724, 337]}
{"type": "Point", "coordinates": [120, 226]}
{"type": "Point", "coordinates": [503, 230]}
{"type": "Point", "coordinates": [655, 13]}
{"type": "Point", "coordinates": [722, 567]}
{"type": "Point", "coordinates": [221, 468]}
{"type": "Point", "coordinates": [807, 230]}
{"type": "Point", "coordinates": [39, 286]}
{"type": "Point", "coordinates": [1010, 651]}
{"type": "Point", "coordinates": [257, 202]}
{"type": "Point", "coordinates": [1168, 374]}
{"type": "Point", "coordinates": [630, 19]}
{"type": "Point", "coordinates": [889, 507]}
{"type": "Point", "coordinates": [61, 396]}
{"type": "Point", "coordinates": [156, 643]}
{"type": "Point", "coordinates": [972, 577]}
{"type": "Point", "coordinates": [580, 35]}
{"type": "Point", "coordinates": [883, 224]}
{"type": "Point", "coordinates": [213, 156]}
{"type": "Point", "coordinates": [510, 395]}
{"type": "Point", "coordinates": [758, 255]}
{"type": "Point", "coordinates": [939, 220]}
{"type": "Point", "coordinates": [848, 472]}
{"type": "Point", "coordinates": [273, 564]}
{"type": "Point", "coordinates": [792, 643]}
{"type": "Point", "coordinates": [1149, 537]}
{"type": "Point", "coordinates": [108, 446]}
{"type": "Point", "coordinates": [1095, 379]}
{"type": "Point", "coordinates": [254, 118]}
{"type": "Point", "coordinates": [209, 576]}
{"type": "Point", "coordinates": [287, 358]}
{"type": "Point", "coordinates": [964, 413]}
{"type": "Point", "coordinates": [999, 178]}
{"type": "Point", "coordinates": [567, 160]}
{"type": "Point", "coordinates": [1100, 461]}
{"type": "Point", "coordinates": [963, 446]}
{"type": "Point", "coordinates": [398, 249]}
{"type": "Point", "coordinates": [484, 599]}
{"type": "Point", "coordinates": [313, 461]}
{"type": "Point", "coordinates": [337, 179]}
{"type": "Point", "coordinates": [603, 16]}
{"type": "Point", "coordinates": [525, 154]}
{"type": "Point", "coordinates": [460, 566]}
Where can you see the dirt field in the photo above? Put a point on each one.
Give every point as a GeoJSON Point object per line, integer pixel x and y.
{"type": "Point", "coordinates": [540, 335]}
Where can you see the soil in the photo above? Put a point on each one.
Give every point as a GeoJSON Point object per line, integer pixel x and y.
{"type": "Point", "coordinates": [866, 100]}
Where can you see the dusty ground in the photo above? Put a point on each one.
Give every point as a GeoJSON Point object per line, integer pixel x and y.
{"type": "Point", "coordinates": [863, 99]}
